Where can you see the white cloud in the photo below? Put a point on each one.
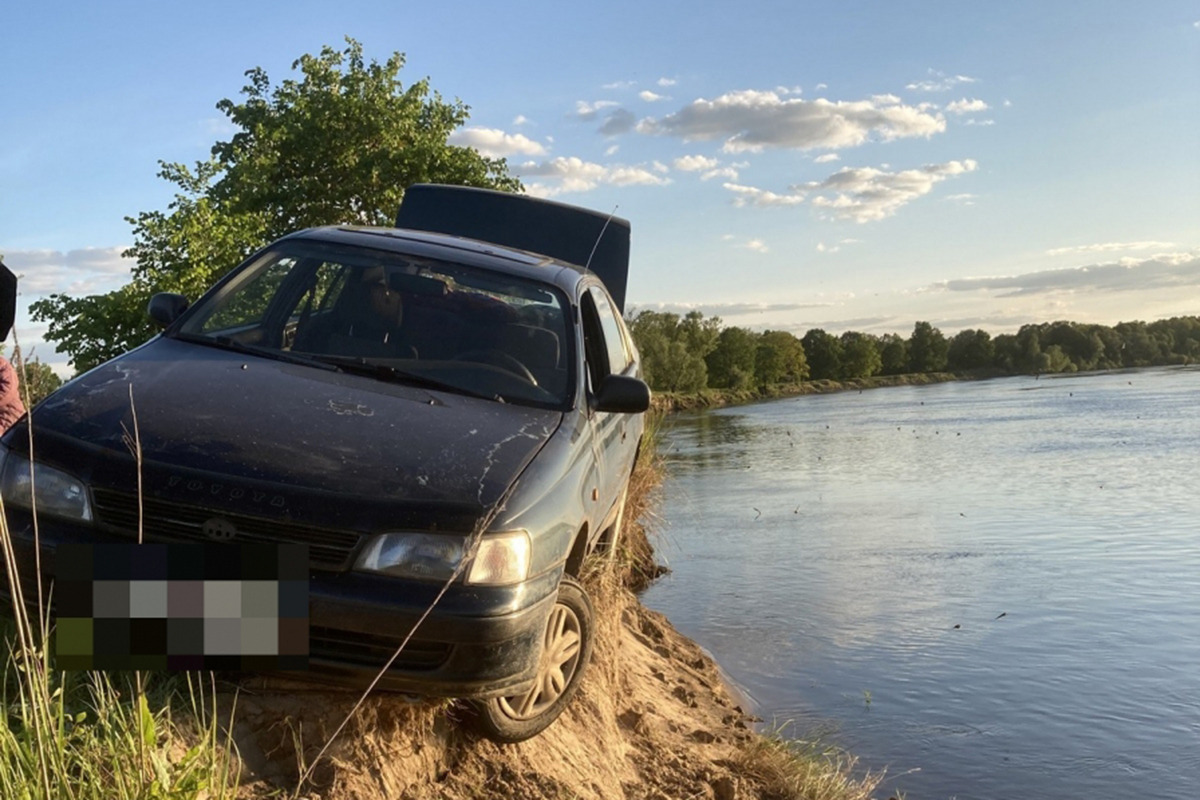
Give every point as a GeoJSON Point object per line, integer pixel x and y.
{"type": "Point", "coordinates": [496, 143]}
{"type": "Point", "coordinates": [619, 85]}
{"type": "Point", "coordinates": [1109, 247]}
{"type": "Point", "coordinates": [520, 119]}
{"type": "Point", "coordinates": [753, 120]}
{"type": "Point", "coordinates": [720, 172]}
{"type": "Point", "coordinates": [576, 175]}
{"type": "Point", "coordinates": [761, 198]}
{"type": "Point", "coordinates": [658, 166]}
{"type": "Point", "coordinates": [822, 86]}
{"type": "Point", "coordinates": [864, 194]}
{"type": "Point", "coordinates": [612, 150]}
{"type": "Point", "coordinates": [694, 163]}
{"type": "Point", "coordinates": [1196, 24]}
{"type": "Point", "coordinates": [618, 121]}
{"type": "Point", "coordinates": [1166, 271]}
{"type": "Point", "coordinates": [966, 106]}
{"type": "Point", "coordinates": [822, 248]}
{"type": "Point", "coordinates": [965, 198]}
{"type": "Point", "coordinates": [589, 111]}
{"type": "Point", "coordinates": [651, 97]}
{"type": "Point", "coordinates": [789, 90]}
{"type": "Point", "coordinates": [757, 245]}
{"type": "Point", "coordinates": [983, 122]}
{"type": "Point", "coordinates": [939, 81]}
{"type": "Point", "coordinates": [825, 159]}
{"type": "Point", "coordinates": [83, 271]}
{"type": "Point", "coordinates": [665, 82]}
{"type": "Point", "coordinates": [1007, 103]}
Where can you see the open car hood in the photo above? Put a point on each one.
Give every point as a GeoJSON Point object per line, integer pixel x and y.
{"type": "Point", "coordinates": [568, 233]}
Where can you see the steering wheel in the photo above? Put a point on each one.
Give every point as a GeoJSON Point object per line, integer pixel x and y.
{"type": "Point", "coordinates": [498, 358]}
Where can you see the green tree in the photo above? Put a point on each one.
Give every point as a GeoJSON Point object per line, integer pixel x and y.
{"type": "Point", "coordinates": [928, 349]}
{"type": "Point", "coordinates": [893, 354]}
{"type": "Point", "coordinates": [673, 348]}
{"type": "Point", "coordinates": [780, 359]}
{"type": "Point", "coordinates": [1004, 348]}
{"type": "Point", "coordinates": [339, 145]}
{"type": "Point", "coordinates": [824, 352]}
{"type": "Point", "coordinates": [1082, 348]}
{"type": "Point", "coordinates": [861, 356]}
{"type": "Point", "coordinates": [971, 349]}
{"type": "Point", "coordinates": [731, 363]}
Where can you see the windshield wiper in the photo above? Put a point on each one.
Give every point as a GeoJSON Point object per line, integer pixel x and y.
{"type": "Point", "coordinates": [229, 343]}
{"type": "Point", "coordinates": [374, 369]}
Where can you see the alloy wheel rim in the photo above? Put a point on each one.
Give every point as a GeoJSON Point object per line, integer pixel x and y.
{"type": "Point", "coordinates": [560, 660]}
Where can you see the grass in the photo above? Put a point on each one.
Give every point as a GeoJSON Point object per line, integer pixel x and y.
{"type": "Point", "coordinates": [784, 768]}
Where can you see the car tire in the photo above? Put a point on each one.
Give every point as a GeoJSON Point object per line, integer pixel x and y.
{"type": "Point", "coordinates": [566, 653]}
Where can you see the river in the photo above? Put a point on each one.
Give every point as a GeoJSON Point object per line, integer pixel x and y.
{"type": "Point", "coordinates": [989, 589]}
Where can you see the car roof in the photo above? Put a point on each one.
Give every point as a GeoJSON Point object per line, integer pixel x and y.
{"type": "Point", "coordinates": [485, 255]}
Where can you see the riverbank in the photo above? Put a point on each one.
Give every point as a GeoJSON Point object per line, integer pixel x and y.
{"type": "Point", "coordinates": [713, 398]}
{"type": "Point", "coordinates": [652, 719]}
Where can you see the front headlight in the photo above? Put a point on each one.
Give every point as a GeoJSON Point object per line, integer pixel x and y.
{"type": "Point", "coordinates": [429, 556]}
{"type": "Point", "coordinates": [502, 558]}
{"type": "Point", "coordinates": [58, 494]}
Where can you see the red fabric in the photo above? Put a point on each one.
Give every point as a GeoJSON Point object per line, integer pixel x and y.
{"type": "Point", "coordinates": [11, 407]}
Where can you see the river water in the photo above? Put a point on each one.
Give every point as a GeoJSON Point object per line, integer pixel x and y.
{"type": "Point", "coordinates": [991, 589]}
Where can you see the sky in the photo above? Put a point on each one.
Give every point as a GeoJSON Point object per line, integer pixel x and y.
{"type": "Point", "coordinates": [843, 165]}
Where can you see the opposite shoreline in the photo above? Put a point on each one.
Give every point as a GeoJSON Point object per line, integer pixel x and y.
{"type": "Point", "coordinates": [668, 402]}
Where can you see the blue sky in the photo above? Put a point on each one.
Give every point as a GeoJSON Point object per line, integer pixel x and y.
{"type": "Point", "coordinates": [788, 165]}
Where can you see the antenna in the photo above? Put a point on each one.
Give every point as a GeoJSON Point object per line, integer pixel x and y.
{"type": "Point", "coordinates": [599, 237]}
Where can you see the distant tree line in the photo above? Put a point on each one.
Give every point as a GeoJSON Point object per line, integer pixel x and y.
{"type": "Point", "coordinates": [693, 352]}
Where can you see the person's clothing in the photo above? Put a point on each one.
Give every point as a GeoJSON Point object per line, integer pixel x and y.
{"type": "Point", "coordinates": [11, 407]}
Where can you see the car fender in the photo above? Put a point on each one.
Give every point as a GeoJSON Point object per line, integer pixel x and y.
{"type": "Point", "coordinates": [556, 495]}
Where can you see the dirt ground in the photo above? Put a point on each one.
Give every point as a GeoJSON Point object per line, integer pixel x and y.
{"type": "Point", "coordinates": [652, 720]}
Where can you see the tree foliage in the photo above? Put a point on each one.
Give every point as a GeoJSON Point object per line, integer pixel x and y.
{"type": "Point", "coordinates": [338, 145]}
{"type": "Point", "coordinates": [861, 356]}
{"type": "Point", "coordinates": [971, 349]}
{"type": "Point", "coordinates": [739, 358]}
{"type": "Point", "coordinates": [928, 350]}
{"type": "Point", "coordinates": [780, 359]}
{"type": "Point", "coordinates": [824, 353]}
{"type": "Point", "coordinates": [673, 348]}
{"type": "Point", "coordinates": [731, 364]}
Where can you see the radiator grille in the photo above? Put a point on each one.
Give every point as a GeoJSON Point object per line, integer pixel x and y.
{"type": "Point", "coordinates": [177, 522]}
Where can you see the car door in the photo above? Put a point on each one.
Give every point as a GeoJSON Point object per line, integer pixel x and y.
{"type": "Point", "coordinates": [608, 354]}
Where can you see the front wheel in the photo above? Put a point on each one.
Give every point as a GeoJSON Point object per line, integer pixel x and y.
{"type": "Point", "coordinates": [566, 651]}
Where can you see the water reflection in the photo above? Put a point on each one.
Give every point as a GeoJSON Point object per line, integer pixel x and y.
{"type": "Point", "coordinates": [1013, 574]}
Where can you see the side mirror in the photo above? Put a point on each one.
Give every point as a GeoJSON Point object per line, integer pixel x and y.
{"type": "Point", "coordinates": [166, 307]}
{"type": "Point", "coordinates": [622, 395]}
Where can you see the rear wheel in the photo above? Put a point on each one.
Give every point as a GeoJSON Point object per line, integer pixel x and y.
{"type": "Point", "coordinates": [567, 648]}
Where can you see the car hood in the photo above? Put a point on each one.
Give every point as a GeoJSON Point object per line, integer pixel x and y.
{"type": "Point", "coordinates": [201, 409]}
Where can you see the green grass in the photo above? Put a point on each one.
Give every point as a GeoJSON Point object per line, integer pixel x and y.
{"type": "Point", "coordinates": [102, 736]}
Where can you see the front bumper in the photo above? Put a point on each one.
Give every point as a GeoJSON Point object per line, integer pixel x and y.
{"type": "Point", "coordinates": [477, 641]}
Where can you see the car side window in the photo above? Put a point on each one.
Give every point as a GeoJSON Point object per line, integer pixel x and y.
{"type": "Point", "coordinates": [618, 356]}
{"type": "Point", "coordinates": [594, 349]}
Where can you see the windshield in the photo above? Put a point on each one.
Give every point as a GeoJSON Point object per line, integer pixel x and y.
{"type": "Point", "coordinates": [396, 317]}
